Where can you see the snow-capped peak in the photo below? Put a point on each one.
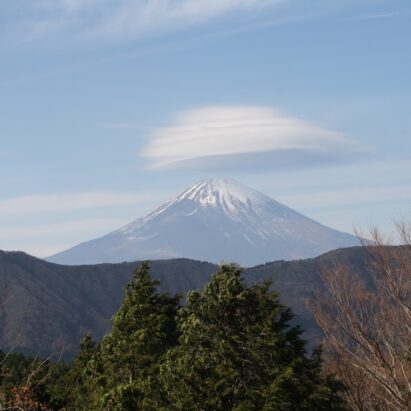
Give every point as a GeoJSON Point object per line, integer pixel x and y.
{"type": "Point", "coordinates": [214, 220]}
{"type": "Point", "coordinates": [226, 193]}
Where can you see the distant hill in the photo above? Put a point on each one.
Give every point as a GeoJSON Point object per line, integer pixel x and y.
{"type": "Point", "coordinates": [213, 220]}
{"type": "Point", "coordinates": [47, 307]}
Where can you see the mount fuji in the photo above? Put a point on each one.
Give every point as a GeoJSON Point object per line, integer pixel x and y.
{"type": "Point", "coordinates": [215, 220]}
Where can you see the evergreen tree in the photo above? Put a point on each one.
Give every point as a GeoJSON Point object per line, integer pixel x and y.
{"type": "Point", "coordinates": [80, 381]}
{"type": "Point", "coordinates": [144, 329]}
{"type": "Point", "coordinates": [237, 351]}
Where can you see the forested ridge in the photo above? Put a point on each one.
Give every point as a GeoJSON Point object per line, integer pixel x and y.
{"type": "Point", "coordinates": [232, 343]}
{"type": "Point", "coordinates": [47, 308]}
{"type": "Point", "coordinates": [229, 347]}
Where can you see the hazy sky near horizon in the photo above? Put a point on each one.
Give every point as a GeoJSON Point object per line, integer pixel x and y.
{"type": "Point", "coordinates": [109, 107]}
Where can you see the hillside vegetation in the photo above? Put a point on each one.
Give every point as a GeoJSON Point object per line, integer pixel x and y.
{"type": "Point", "coordinates": [47, 308]}
{"type": "Point", "coordinates": [229, 343]}
{"type": "Point", "coordinates": [229, 347]}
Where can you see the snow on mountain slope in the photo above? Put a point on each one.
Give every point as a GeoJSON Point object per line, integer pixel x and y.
{"type": "Point", "coordinates": [215, 220]}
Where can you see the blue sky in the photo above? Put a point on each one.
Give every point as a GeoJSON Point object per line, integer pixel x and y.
{"type": "Point", "coordinates": [109, 107]}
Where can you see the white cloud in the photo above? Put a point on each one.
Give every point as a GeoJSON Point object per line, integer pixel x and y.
{"type": "Point", "coordinates": [230, 137]}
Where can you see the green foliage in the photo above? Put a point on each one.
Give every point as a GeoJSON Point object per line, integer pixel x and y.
{"type": "Point", "coordinates": [230, 347]}
{"type": "Point", "coordinates": [144, 329]}
{"type": "Point", "coordinates": [78, 384]}
{"type": "Point", "coordinates": [238, 352]}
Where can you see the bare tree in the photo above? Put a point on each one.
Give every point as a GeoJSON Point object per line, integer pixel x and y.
{"type": "Point", "coordinates": [366, 320]}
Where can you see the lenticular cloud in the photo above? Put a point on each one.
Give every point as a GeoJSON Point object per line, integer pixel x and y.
{"type": "Point", "coordinates": [232, 137]}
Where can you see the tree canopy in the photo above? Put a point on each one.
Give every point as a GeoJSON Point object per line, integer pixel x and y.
{"type": "Point", "coordinates": [229, 347]}
{"type": "Point", "coordinates": [237, 351]}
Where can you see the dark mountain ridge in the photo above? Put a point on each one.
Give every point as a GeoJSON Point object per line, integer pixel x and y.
{"type": "Point", "coordinates": [47, 308]}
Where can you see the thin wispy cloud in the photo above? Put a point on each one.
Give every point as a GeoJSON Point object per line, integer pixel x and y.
{"type": "Point", "coordinates": [81, 227]}
{"type": "Point", "coordinates": [116, 19]}
{"type": "Point", "coordinates": [58, 203]}
{"type": "Point", "coordinates": [349, 197]}
{"type": "Point", "coordinates": [63, 220]}
{"type": "Point", "coordinates": [101, 23]}
{"type": "Point", "coordinates": [46, 238]}
{"type": "Point", "coordinates": [245, 137]}
{"type": "Point", "coordinates": [41, 250]}
{"type": "Point", "coordinates": [377, 16]}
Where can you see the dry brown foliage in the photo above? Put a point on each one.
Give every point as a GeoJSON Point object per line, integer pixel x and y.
{"type": "Point", "coordinates": [367, 325]}
{"type": "Point", "coordinates": [20, 399]}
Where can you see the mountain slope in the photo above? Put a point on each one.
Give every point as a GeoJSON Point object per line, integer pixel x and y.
{"type": "Point", "coordinates": [47, 307]}
{"type": "Point", "coordinates": [214, 220]}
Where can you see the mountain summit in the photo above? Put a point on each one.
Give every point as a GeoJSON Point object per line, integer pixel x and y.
{"type": "Point", "coordinates": [215, 220]}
